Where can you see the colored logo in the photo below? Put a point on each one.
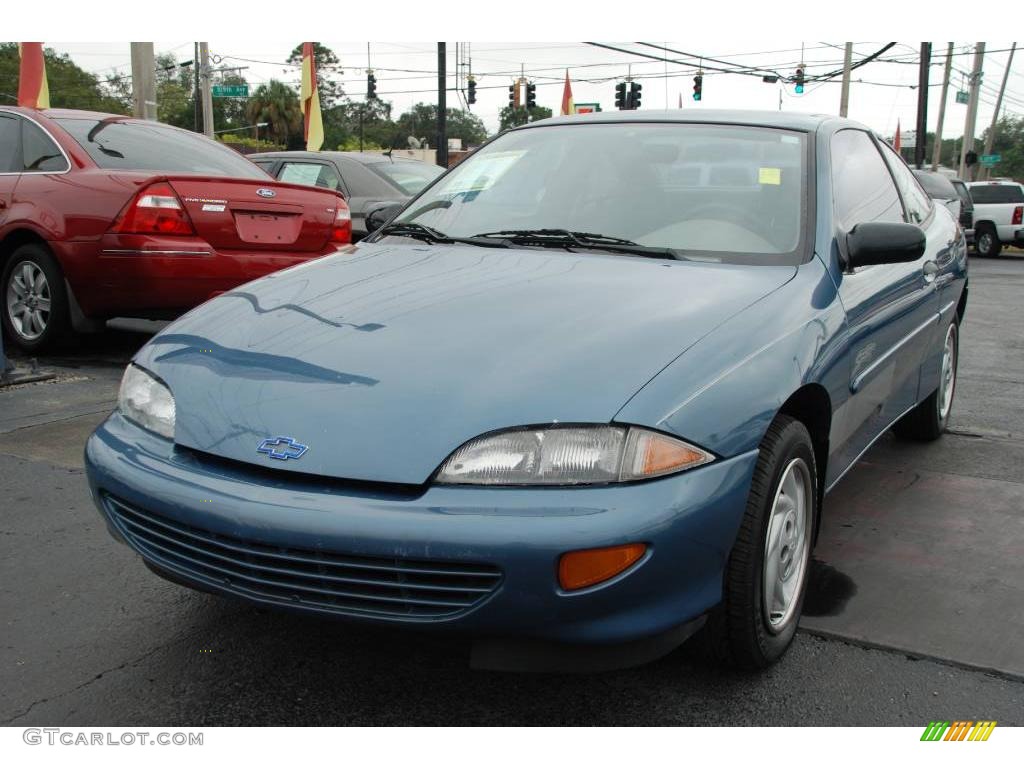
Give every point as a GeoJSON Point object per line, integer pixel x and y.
{"type": "Point", "coordinates": [959, 730]}
{"type": "Point", "coordinates": [264, 192]}
{"type": "Point", "coordinates": [282, 448]}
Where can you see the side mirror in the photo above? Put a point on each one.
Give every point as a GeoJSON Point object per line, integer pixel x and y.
{"type": "Point", "coordinates": [380, 215]}
{"type": "Point", "coordinates": [877, 242]}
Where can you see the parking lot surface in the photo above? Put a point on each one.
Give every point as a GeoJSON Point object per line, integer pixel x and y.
{"type": "Point", "coordinates": [913, 614]}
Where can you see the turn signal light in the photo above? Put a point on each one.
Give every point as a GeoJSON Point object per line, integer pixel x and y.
{"type": "Point", "coordinates": [586, 567]}
{"type": "Point", "coordinates": [155, 210]}
{"type": "Point", "coordinates": [341, 232]}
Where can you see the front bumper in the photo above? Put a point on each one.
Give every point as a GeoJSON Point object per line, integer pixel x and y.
{"type": "Point", "coordinates": [689, 522]}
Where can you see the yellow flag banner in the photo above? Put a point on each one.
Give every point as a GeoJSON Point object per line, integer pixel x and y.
{"type": "Point", "coordinates": [309, 98]}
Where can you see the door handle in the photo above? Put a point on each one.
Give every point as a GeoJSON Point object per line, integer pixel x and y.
{"type": "Point", "coordinates": [930, 270]}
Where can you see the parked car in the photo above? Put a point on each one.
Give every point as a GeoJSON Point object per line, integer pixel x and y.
{"type": "Point", "coordinates": [367, 180]}
{"type": "Point", "coordinates": [583, 396]}
{"type": "Point", "coordinates": [952, 193]}
{"type": "Point", "coordinates": [103, 215]}
{"type": "Point", "coordinates": [998, 215]}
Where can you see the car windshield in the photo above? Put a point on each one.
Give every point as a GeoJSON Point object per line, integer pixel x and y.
{"type": "Point", "coordinates": [936, 185]}
{"type": "Point", "coordinates": [713, 192]}
{"type": "Point", "coordinates": [411, 178]}
{"type": "Point", "coordinates": [125, 144]}
{"type": "Point", "coordinates": [997, 193]}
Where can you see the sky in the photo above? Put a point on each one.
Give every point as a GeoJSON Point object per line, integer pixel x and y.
{"type": "Point", "coordinates": [881, 93]}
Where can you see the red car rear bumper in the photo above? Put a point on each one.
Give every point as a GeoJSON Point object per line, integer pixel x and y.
{"type": "Point", "coordinates": [125, 274]}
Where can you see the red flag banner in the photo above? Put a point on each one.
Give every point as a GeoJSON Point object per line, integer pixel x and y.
{"type": "Point", "coordinates": [896, 138]}
{"type": "Point", "coordinates": [33, 91]}
{"type": "Point", "coordinates": [568, 107]}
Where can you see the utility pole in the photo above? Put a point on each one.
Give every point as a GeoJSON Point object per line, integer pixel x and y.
{"type": "Point", "coordinates": [442, 108]}
{"type": "Point", "coordinates": [196, 108]}
{"type": "Point", "coordinates": [990, 139]}
{"type": "Point", "coordinates": [844, 98]}
{"type": "Point", "coordinates": [922, 104]}
{"type": "Point", "coordinates": [204, 87]}
{"type": "Point", "coordinates": [937, 150]}
{"type": "Point", "coordinates": [143, 81]}
{"type": "Point", "coordinates": [972, 111]}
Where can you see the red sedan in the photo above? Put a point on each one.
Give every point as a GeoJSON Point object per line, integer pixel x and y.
{"type": "Point", "coordinates": [104, 216]}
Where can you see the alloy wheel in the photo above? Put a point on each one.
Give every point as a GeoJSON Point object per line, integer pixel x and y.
{"type": "Point", "coordinates": [947, 382]}
{"type": "Point", "coordinates": [28, 300]}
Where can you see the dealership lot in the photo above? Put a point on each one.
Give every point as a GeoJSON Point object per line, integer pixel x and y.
{"type": "Point", "coordinates": [914, 611]}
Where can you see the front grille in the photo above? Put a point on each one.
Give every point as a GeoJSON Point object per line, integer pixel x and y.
{"type": "Point", "coordinates": [323, 581]}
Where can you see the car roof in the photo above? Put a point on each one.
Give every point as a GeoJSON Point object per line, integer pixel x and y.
{"type": "Point", "coordinates": [994, 182]}
{"type": "Point", "coordinates": [64, 113]}
{"type": "Point", "coordinates": [365, 158]}
{"type": "Point", "coordinates": [796, 121]}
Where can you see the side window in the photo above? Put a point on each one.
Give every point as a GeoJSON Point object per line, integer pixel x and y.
{"type": "Point", "coordinates": [39, 152]}
{"type": "Point", "coordinates": [861, 184]}
{"type": "Point", "coordinates": [9, 160]}
{"type": "Point", "coordinates": [916, 200]}
{"type": "Point", "coordinates": [311, 174]}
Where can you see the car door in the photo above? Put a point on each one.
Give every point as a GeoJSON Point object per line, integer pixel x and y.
{"type": "Point", "coordinates": [942, 264]}
{"type": "Point", "coordinates": [10, 162]}
{"type": "Point", "coordinates": [891, 309]}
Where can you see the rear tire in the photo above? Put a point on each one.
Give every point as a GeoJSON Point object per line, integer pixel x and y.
{"type": "Point", "coordinates": [766, 576]}
{"type": "Point", "coordinates": [986, 242]}
{"type": "Point", "coordinates": [930, 417]}
{"type": "Point", "coordinates": [33, 299]}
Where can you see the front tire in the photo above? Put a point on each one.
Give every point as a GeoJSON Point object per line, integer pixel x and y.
{"type": "Point", "coordinates": [34, 308]}
{"type": "Point", "coordinates": [986, 242]}
{"type": "Point", "coordinates": [929, 419]}
{"type": "Point", "coordinates": [766, 576]}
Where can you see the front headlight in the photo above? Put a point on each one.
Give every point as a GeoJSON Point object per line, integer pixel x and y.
{"type": "Point", "coordinates": [147, 401]}
{"type": "Point", "coordinates": [571, 455]}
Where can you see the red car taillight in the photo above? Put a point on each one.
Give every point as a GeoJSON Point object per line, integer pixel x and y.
{"type": "Point", "coordinates": [1018, 214]}
{"type": "Point", "coordinates": [156, 210]}
{"type": "Point", "coordinates": [341, 230]}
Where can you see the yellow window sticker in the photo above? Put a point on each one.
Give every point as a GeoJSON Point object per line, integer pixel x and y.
{"type": "Point", "coordinates": [769, 176]}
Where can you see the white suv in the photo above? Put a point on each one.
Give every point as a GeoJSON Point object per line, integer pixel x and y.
{"type": "Point", "coordinates": [998, 215]}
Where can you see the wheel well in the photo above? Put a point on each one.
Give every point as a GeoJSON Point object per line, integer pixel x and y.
{"type": "Point", "coordinates": [984, 225]}
{"type": "Point", "coordinates": [812, 406]}
{"type": "Point", "coordinates": [15, 240]}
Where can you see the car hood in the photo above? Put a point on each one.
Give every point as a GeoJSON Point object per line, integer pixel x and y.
{"type": "Point", "coordinates": [384, 360]}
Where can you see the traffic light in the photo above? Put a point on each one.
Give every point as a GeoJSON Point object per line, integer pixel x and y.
{"type": "Point", "coordinates": [531, 95]}
{"type": "Point", "coordinates": [971, 158]}
{"type": "Point", "coordinates": [371, 86]}
{"type": "Point", "coordinates": [698, 86]}
{"type": "Point", "coordinates": [512, 97]}
{"type": "Point", "coordinates": [471, 96]}
{"type": "Point", "coordinates": [634, 95]}
{"type": "Point", "coordinates": [620, 96]}
{"type": "Point", "coordinates": [800, 79]}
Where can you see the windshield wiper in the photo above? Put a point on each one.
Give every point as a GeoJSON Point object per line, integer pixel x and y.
{"type": "Point", "coordinates": [564, 238]}
{"type": "Point", "coordinates": [431, 235]}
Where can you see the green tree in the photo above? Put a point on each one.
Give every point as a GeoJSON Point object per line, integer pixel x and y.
{"type": "Point", "coordinates": [278, 105]}
{"type": "Point", "coordinates": [70, 86]}
{"type": "Point", "coordinates": [327, 66]}
{"type": "Point", "coordinates": [421, 121]}
{"type": "Point", "coordinates": [1009, 144]}
{"type": "Point", "coordinates": [513, 116]}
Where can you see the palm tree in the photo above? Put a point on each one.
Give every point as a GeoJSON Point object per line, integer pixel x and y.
{"type": "Point", "coordinates": [278, 105]}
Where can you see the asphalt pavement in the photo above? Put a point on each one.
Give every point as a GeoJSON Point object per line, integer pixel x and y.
{"type": "Point", "coordinates": [914, 609]}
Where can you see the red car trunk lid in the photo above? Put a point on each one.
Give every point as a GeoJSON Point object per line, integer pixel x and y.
{"type": "Point", "coordinates": [257, 215]}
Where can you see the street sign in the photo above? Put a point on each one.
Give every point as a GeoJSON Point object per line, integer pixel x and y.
{"type": "Point", "coordinates": [231, 91]}
{"type": "Point", "coordinates": [962, 97]}
{"type": "Point", "coordinates": [586, 108]}
{"type": "Point", "coordinates": [990, 160]}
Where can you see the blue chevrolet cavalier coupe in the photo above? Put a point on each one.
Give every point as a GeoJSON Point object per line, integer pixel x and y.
{"type": "Point", "coordinates": [582, 396]}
